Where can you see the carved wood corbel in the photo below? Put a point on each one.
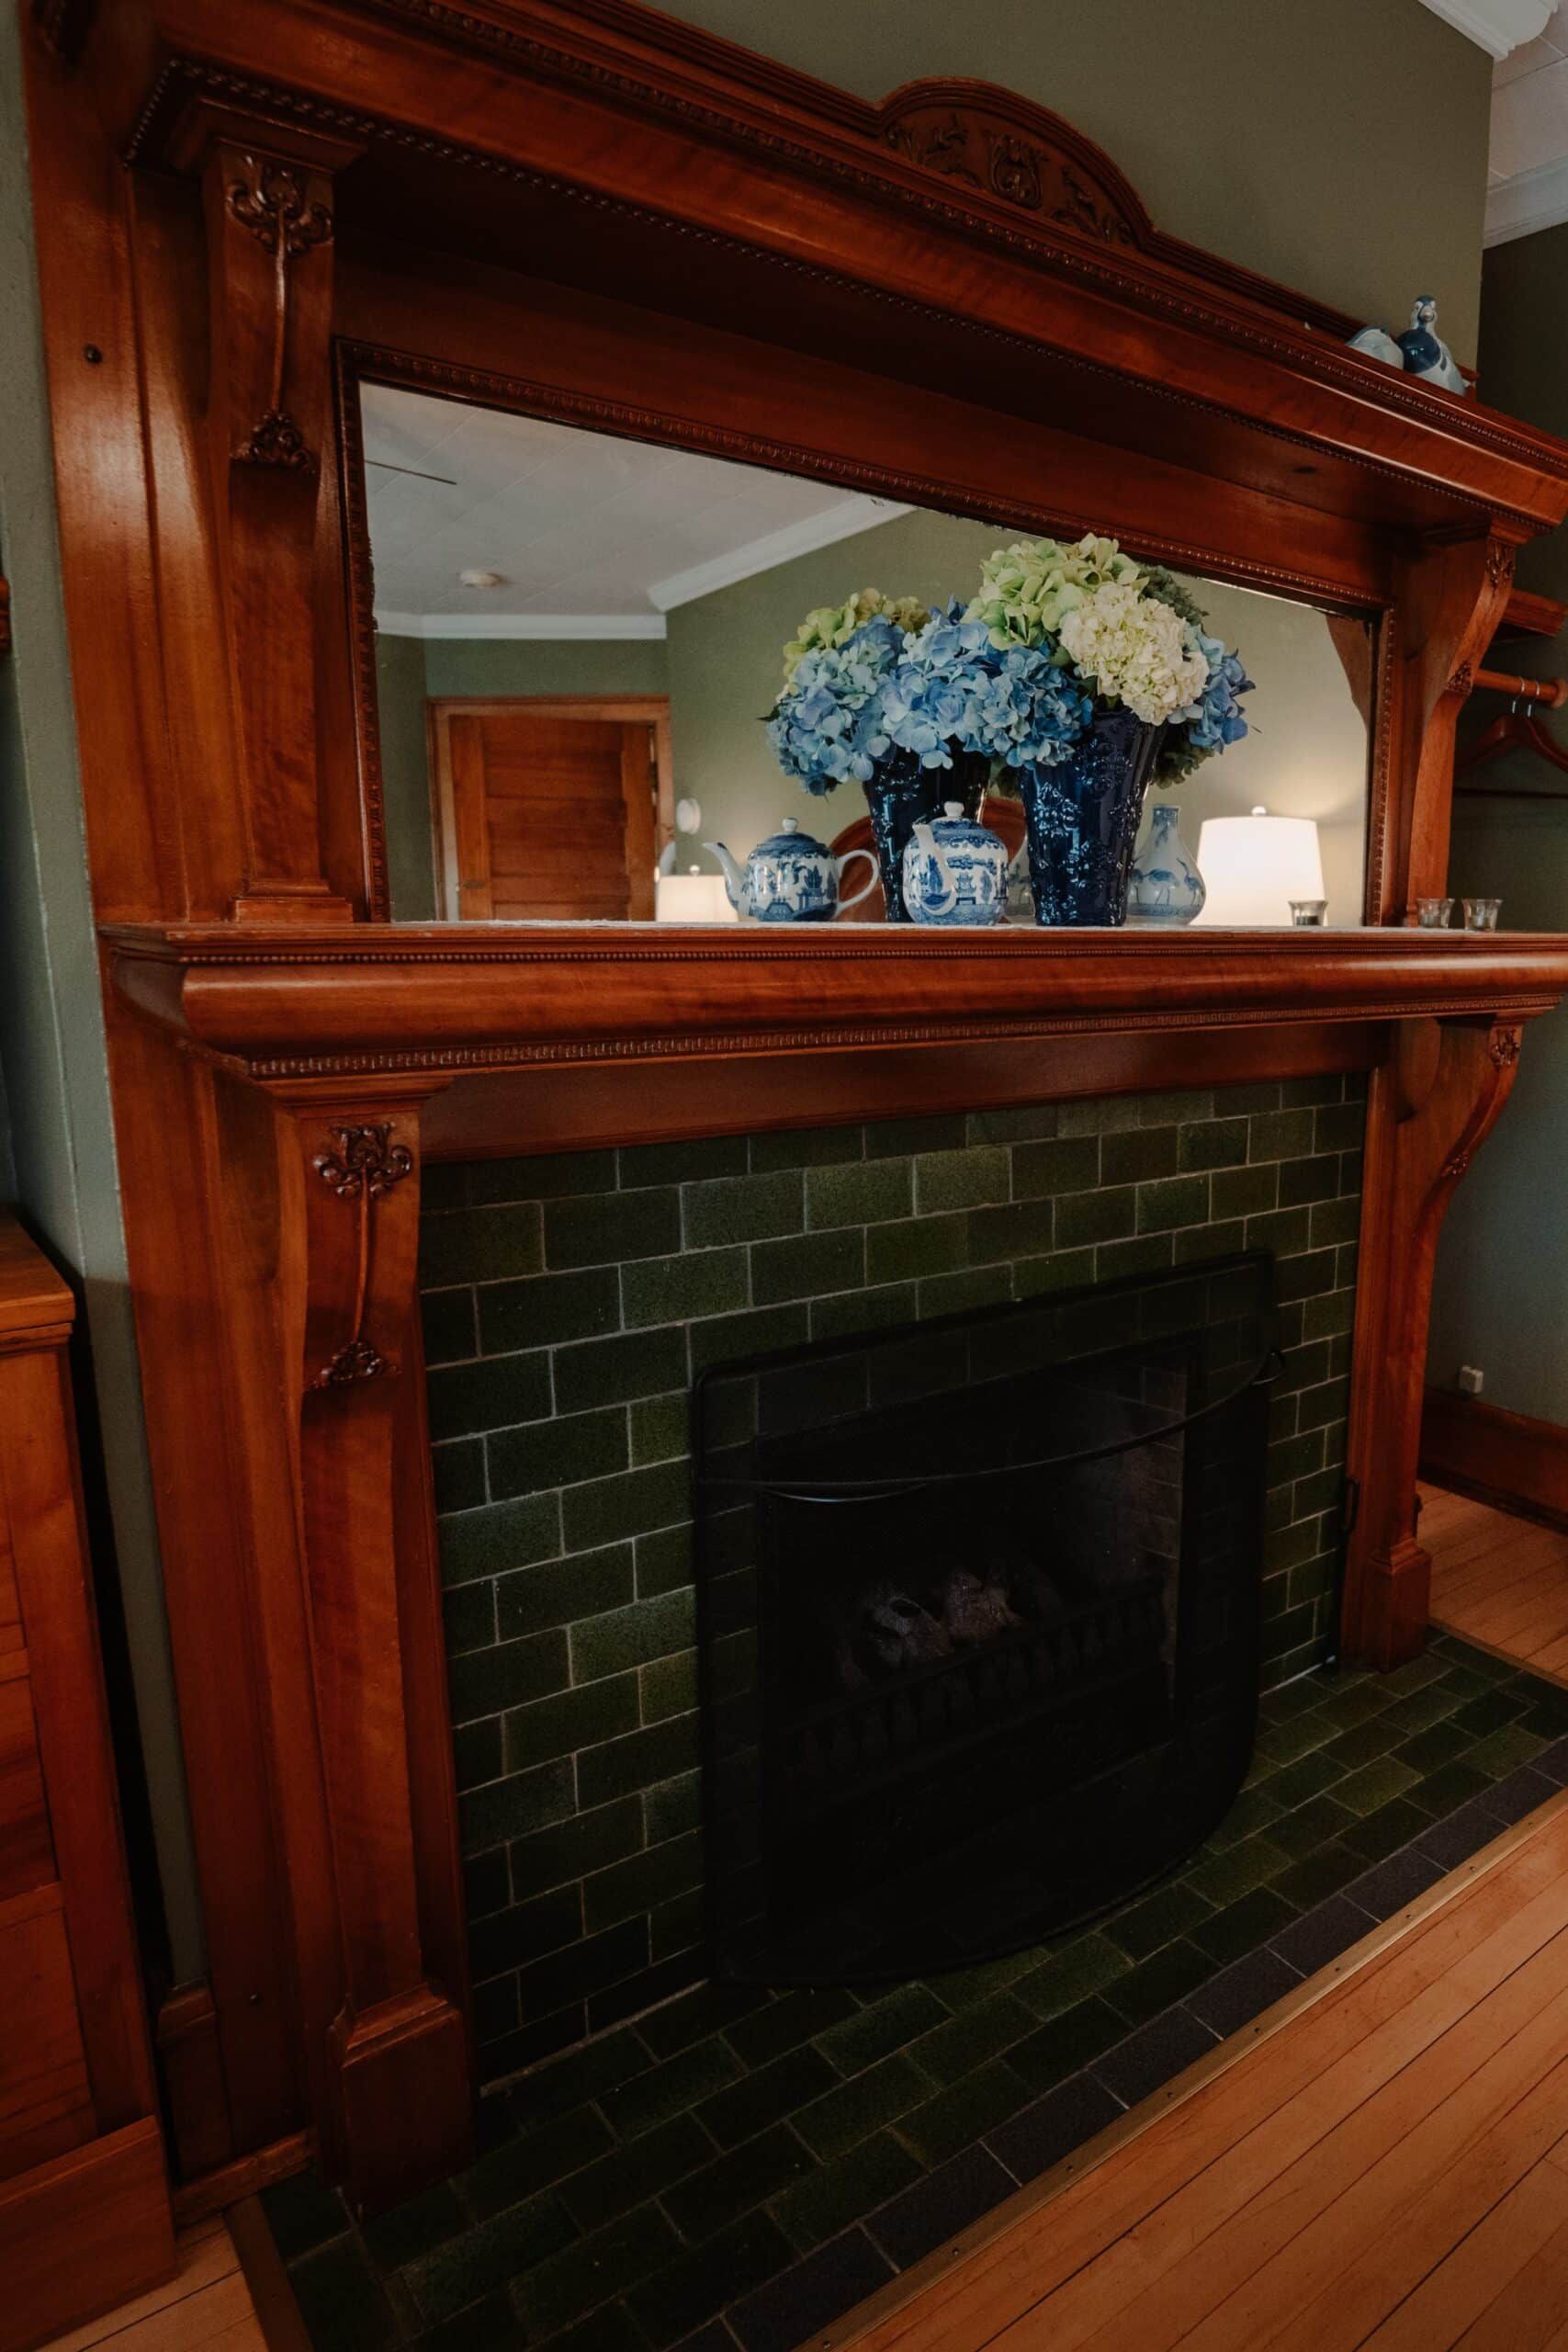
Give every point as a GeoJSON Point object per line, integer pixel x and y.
{"type": "Point", "coordinates": [324, 1206]}
{"type": "Point", "coordinates": [267, 194]}
{"type": "Point", "coordinates": [1431, 1108]}
{"type": "Point", "coordinates": [1451, 597]}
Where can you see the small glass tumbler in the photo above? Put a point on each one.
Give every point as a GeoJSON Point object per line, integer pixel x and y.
{"type": "Point", "coordinates": [1434, 914]}
{"type": "Point", "coordinates": [1480, 914]}
{"type": "Point", "coordinates": [1309, 914]}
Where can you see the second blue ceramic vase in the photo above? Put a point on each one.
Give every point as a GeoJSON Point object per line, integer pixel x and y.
{"type": "Point", "coordinates": [1082, 819]}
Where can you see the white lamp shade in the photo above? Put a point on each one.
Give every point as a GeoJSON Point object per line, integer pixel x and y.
{"type": "Point", "coordinates": [1253, 866]}
{"type": "Point", "coordinates": [691, 898]}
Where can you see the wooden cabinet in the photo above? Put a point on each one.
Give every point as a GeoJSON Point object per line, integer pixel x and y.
{"type": "Point", "coordinates": [84, 2212]}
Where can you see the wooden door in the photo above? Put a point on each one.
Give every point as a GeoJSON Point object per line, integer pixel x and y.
{"type": "Point", "coordinates": [552, 809]}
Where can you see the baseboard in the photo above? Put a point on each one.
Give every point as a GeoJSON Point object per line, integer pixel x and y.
{"type": "Point", "coordinates": [1508, 1460]}
{"type": "Point", "coordinates": [82, 2234]}
{"type": "Point", "coordinates": [196, 2200]}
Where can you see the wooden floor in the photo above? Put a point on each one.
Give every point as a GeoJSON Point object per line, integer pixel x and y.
{"type": "Point", "coordinates": [1499, 1582]}
{"type": "Point", "coordinates": [204, 2307]}
{"type": "Point", "coordinates": [1385, 2165]}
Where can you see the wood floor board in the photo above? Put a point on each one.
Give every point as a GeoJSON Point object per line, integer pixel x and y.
{"type": "Point", "coordinates": [204, 2307]}
{"type": "Point", "coordinates": [1335, 2131]}
{"type": "Point", "coordinates": [1351, 2151]}
{"type": "Point", "coordinates": [1499, 1582]}
{"type": "Point", "coordinates": [1530, 2313]}
{"type": "Point", "coordinates": [1473, 2291]}
{"type": "Point", "coordinates": [1374, 2243]}
{"type": "Point", "coordinates": [1500, 1568]}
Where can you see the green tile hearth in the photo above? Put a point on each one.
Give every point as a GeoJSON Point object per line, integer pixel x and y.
{"type": "Point", "coordinates": [634, 2190]}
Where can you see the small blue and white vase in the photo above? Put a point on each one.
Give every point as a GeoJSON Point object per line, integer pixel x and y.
{"type": "Point", "coordinates": [954, 871]}
{"type": "Point", "coordinates": [1166, 888]}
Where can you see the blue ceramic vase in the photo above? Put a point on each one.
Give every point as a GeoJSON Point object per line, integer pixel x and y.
{"type": "Point", "coordinates": [1082, 819]}
{"type": "Point", "coordinates": [1166, 887]}
{"type": "Point", "coordinates": [902, 794]}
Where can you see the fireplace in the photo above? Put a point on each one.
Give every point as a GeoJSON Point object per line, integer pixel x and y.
{"type": "Point", "coordinates": [979, 1619]}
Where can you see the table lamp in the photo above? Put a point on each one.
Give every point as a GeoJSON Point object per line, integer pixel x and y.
{"type": "Point", "coordinates": [1253, 866]}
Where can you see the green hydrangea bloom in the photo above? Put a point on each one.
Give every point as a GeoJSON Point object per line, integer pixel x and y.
{"type": "Point", "coordinates": [830, 625]}
{"type": "Point", "coordinates": [1026, 589]}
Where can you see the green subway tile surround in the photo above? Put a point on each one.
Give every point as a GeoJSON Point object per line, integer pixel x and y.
{"type": "Point", "coordinates": [569, 1301]}
{"type": "Point", "coordinates": [727, 2171]}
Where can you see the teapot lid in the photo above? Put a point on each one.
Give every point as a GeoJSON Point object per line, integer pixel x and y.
{"type": "Point", "coordinates": [790, 837]}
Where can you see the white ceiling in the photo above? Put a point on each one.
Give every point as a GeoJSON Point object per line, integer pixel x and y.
{"type": "Point", "coordinates": [594, 536]}
{"type": "Point", "coordinates": [1528, 162]}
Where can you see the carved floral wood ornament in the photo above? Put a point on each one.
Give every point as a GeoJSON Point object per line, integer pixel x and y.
{"type": "Point", "coordinates": [366, 1164]}
{"type": "Point", "coordinates": [242, 213]}
{"type": "Point", "coordinates": [270, 202]}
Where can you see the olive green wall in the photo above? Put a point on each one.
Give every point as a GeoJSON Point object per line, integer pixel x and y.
{"type": "Point", "coordinates": [607, 665]}
{"type": "Point", "coordinates": [51, 1037]}
{"type": "Point", "coordinates": [1306, 756]}
{"type": "Point", "coordinates": [1338, 146]}
{"type": "Point", "coordinates": [1501, 1299]}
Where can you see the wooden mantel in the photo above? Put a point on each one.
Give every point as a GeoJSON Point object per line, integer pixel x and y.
{"type": "Point", "coordinates": [441, 1000]}
{"type": "Point", "coordinates": [952, 297]}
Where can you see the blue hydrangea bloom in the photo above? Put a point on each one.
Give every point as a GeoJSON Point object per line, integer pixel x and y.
{"type": "Point", "coordinates": [1216, 719]}
{"type": "Point", "coordinates": [828, 727]}
{"type": "Point", "coordinates": [1025, 711]}
{"type": "Point", "coordinates": [927, 699]}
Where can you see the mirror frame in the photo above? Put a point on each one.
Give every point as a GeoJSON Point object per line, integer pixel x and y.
{"type": "Point", "coordinates": [587, 407]}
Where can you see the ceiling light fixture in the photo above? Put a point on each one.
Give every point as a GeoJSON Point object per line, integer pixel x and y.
{"type": "Point", "coordinates": [482, 579]}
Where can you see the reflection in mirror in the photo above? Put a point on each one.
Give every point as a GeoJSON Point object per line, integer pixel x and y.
{"type": "Point", "coordinates": [579, 636]}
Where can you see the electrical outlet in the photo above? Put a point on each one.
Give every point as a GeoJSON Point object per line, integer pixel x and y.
{"type": "Point", "coordinates": [1472, 1380]}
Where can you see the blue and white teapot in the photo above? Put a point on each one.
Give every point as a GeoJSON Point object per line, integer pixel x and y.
{"type": "Point", "coordinates": [954, 871]}
{"type": "Point", "coordinates": [789, 877]}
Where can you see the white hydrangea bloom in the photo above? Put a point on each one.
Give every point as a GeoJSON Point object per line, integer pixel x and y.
{"type": "Point", "coordinates": [1136, 650]}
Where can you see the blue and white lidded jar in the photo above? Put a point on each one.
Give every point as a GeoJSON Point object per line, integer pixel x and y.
{"type": "Point", "coordinates": [954, 871]}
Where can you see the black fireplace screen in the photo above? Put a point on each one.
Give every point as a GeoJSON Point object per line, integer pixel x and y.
{"type": "Point", "coordinates": [979, 1619]}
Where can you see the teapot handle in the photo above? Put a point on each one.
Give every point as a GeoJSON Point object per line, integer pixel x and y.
{"type": "Point", "coordinates": [849, 857]}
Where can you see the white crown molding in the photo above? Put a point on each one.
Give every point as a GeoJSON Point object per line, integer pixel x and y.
{"type": "Point", "coordinates": [840, 520]}
{"type": "Point", "coordinates": [1530, 200]}
{"type": "Point", "coordinates": [523, 625]}
{"type": "Point", "coordinates": [1496, 25]}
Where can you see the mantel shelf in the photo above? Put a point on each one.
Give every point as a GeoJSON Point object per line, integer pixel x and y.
{"type": "Point", "coordinates": [331, 1002]}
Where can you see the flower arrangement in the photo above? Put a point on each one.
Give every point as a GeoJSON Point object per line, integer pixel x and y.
{"type": "Point", "coordinates": [1065, 654]}
{"type": "Point", "coordinates": [1055, 635]}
